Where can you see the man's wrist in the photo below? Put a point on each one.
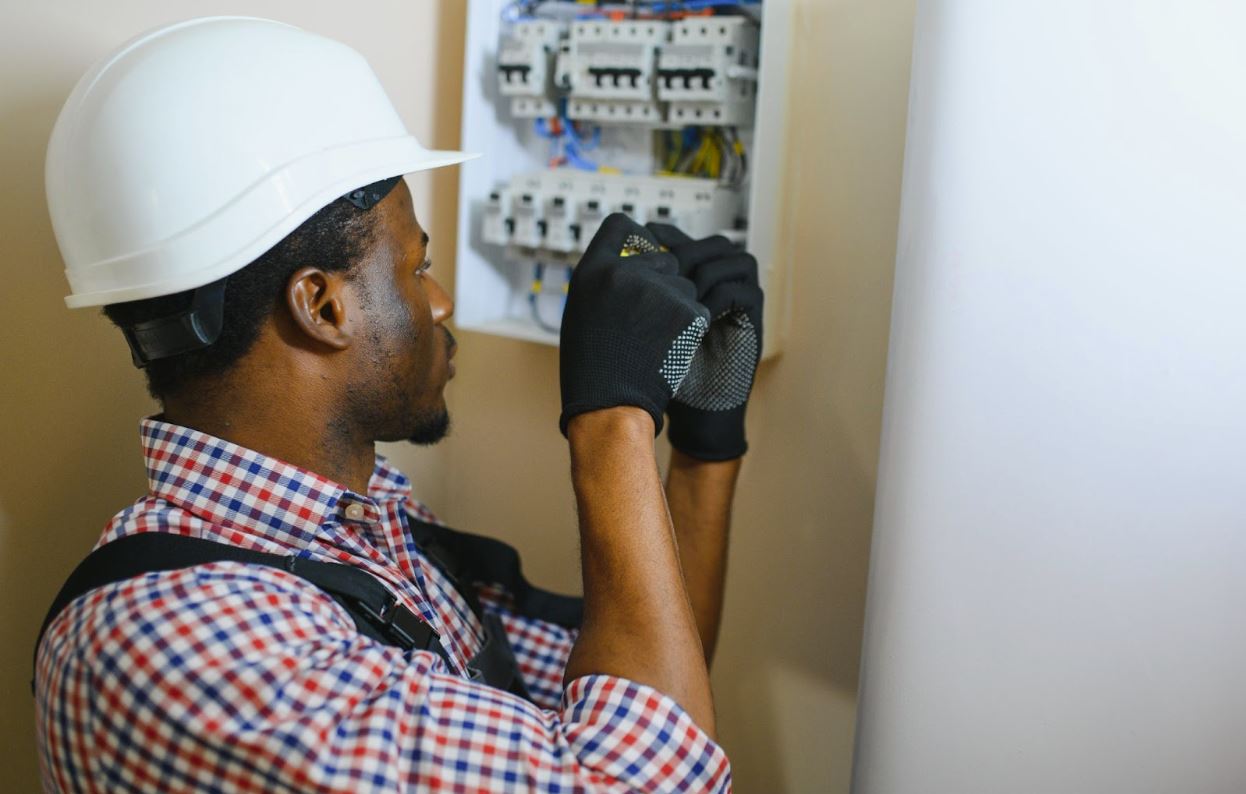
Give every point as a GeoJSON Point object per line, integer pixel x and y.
{"type": "Point", "coordinates": [621, 423]}
{"type": "Point", "coordinates": [707, 471]}
{"type": "Point", "coordinates": [705, 488]}
{"type": "Point", "coordinates": [609, 449]}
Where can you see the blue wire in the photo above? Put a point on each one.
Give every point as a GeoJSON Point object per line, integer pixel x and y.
{"type": "Point", "coordinates": [542, 128]}
{"type": "Point", "coordinates": [516, 12]}
{"type": "Point", "coordinates": [571, 143]}
{"type": "Point", "coordinates": [685, 5]}
{"type": "Point", "coordinates": [693, 5]}
{"type": "Point", "coordinates": [594, 142]}
{"type": "Point", "coordinates": [572, 153]}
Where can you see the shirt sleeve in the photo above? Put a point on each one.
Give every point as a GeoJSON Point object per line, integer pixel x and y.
{"type": "Point", "coordinates": [242, 678]}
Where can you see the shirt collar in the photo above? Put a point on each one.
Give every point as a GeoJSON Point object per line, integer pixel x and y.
{"type": "Point", "coordinates": [228, 484]}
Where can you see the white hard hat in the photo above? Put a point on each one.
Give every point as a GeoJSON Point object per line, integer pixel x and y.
{"type": "Point", "coordinates": [193, 149]}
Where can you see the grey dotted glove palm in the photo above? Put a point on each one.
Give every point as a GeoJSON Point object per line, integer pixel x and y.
{"type": "Point", "coordinates": [707, 412]}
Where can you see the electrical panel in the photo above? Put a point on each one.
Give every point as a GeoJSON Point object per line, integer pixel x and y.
{"type": "Point", "coordinates": [667, 111]}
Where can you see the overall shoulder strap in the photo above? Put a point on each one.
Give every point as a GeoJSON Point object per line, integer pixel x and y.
{"type": "Point", "coordinates": [376, 612]}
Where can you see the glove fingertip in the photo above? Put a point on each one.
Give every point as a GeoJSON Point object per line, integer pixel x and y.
{"type": "Point", "coordinates": [612, 235]}
{"type": "Point", "coordinates": [668, 234]}
{"type": "Point", "coordinates": [660, 262]}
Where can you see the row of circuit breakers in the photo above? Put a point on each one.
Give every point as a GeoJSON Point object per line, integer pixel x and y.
{"type": "Point", "coordinates": [661, 75]}
{"type": "Point", "coordinates": [699, 70]}
{"type": "Point", "coordinates": [559, 210]}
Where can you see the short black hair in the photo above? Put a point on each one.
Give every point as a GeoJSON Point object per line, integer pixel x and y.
{"type": "Point", "coordinates": [337, 237]}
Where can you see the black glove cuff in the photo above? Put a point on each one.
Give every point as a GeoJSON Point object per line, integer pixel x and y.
{"type": "Point", "coordinates": [707, 435]}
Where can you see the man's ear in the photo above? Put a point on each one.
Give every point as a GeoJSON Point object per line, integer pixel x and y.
{"type": "Point", "coordinates": [319, 306]}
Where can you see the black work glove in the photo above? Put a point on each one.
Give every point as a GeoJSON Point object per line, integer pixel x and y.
{"type": "Point", "coordinates": [707, 413]}
{"type": "Point", "coordinates": [631, 326]}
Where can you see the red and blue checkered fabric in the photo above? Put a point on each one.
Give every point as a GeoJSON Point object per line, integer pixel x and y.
{"type": "Point", "coordinates": [230, 677]}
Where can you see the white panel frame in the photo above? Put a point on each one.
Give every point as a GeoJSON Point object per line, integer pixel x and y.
{"type": "Point", "coordinates": [486, 286]}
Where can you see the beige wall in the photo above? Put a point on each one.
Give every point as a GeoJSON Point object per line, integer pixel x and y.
{"type": "Point", "coordinates": [787, 669]}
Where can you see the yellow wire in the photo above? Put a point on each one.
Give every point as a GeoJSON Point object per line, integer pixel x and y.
{"type": "Point", "coordinates": [673, 153]}
{"type": "Point", "coordinates": [698, 162]}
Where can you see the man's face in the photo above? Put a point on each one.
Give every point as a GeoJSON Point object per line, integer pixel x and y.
{"type": "Point", "coordinates": [404, 352]}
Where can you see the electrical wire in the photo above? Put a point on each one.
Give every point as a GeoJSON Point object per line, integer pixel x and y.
{"type": "Point", "coordinates": [567, 143]}
{"type": "Point", "coordinates": [704, 152]}
{"type": "Point", "coordinates": [635, 8]}
{"type": "Point", "coordinates": [738, 155]}
{"type": "Point", "coordinates": [534, 294]}
{"type": "Point", "coordinates": [566, 10]}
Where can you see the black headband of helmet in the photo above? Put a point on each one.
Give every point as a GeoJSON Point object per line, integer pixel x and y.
{"type": "Point", "coordinates": [200, 324]}
{"type": "Point", "coordinates": [368, 195]}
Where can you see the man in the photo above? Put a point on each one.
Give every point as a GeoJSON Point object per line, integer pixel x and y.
{"type": "Point", "coordinates": [229, 190]}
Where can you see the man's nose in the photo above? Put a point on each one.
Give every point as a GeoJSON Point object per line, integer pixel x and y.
{"type": "Point", "coordinates": [439, 301]}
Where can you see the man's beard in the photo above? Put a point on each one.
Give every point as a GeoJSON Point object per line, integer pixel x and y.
{"type": "Point", "coordinates": [430, 428]}
{"type": "Point", "coordinates": [389, 421]}
{"type": "Point", "coordinates": [395, 419]}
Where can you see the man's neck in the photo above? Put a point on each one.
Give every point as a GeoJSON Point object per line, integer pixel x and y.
{"type": "Point", "coordinates": [274, 427]}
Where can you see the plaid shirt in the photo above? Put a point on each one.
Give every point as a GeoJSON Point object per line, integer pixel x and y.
{"type": "Point", "coordinates": [232, 677]}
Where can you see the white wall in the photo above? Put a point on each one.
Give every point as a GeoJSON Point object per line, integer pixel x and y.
{"type": "Point", "coordinates": [1059, 562]}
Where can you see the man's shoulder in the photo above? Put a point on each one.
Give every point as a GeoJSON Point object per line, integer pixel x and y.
{"type": "Point", "coordinates": [152, 514]}
{"type": "Point", "coordinates": [218, 603]}
{"type": "Point", "coordinates": [150, 602]}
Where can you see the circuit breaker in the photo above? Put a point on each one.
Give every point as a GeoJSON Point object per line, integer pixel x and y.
{"type": "Point", "coordinates": [708, 71]}
{"type": "Point", "coordinates": [666, 111]}
{"type": "Point", "coordinates": [526, 57]}
{"type": "Point", "coordinates": [610, 74]}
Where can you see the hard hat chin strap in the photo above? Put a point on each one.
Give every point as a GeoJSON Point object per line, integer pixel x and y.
{"type": "Point", "coordinates": [192, 329]}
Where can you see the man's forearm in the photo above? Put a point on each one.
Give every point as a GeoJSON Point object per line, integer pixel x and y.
{"type": "Point", "coordinates": [638, 620]}
{"type": "Point", "coordinates": [700, 494]}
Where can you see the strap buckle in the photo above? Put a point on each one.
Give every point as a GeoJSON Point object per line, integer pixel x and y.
{"type": "Point", "coordinates": [401, 624]}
